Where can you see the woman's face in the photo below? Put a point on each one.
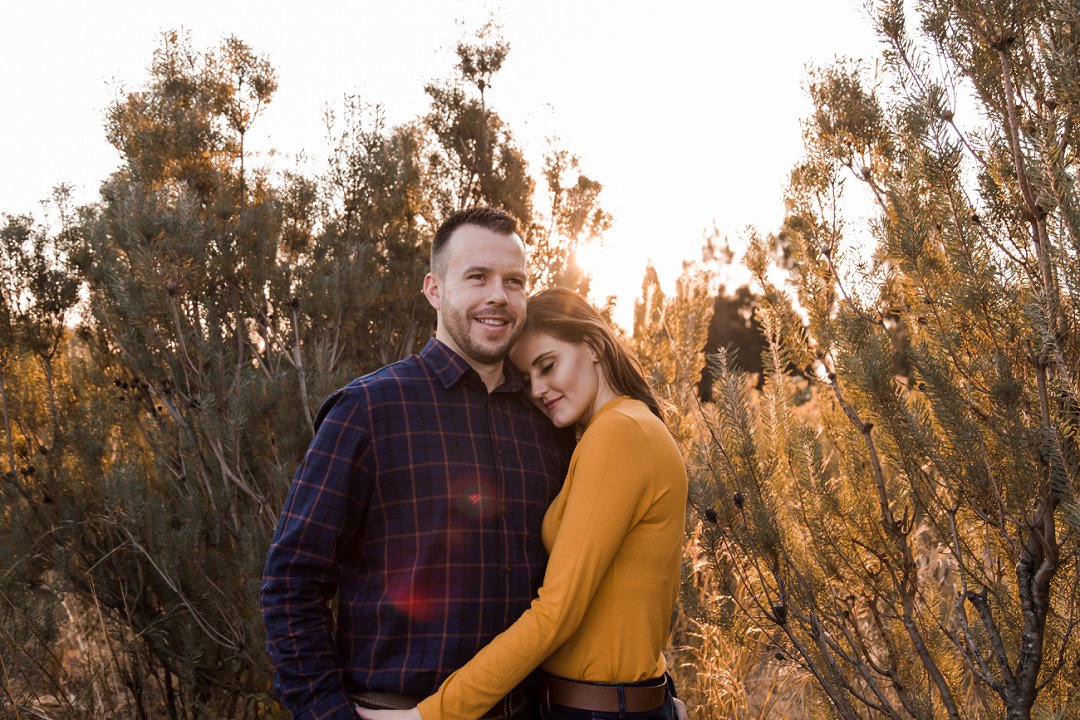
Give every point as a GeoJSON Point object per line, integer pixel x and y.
{"type": "Point", "coordinates": [564, 379]}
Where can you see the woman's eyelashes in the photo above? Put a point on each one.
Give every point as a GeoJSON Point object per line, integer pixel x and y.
{"type": "Point", "coordinates": [526, 378]}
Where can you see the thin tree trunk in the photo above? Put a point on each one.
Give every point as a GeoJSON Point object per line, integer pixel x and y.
{"type": "Point", "coordinates": [7, 425]}
{"type": "Point", "coordinates": [298, 360]}
{"type": "Point", "coordinates": [55, 473]}
{"type": "Point", "coordinates": [47, 362]}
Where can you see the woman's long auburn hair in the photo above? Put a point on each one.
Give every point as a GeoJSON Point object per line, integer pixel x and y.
{"type": "Point", "coordinates": [567, 316]}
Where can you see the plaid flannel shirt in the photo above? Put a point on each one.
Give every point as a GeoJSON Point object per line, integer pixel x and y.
{"type": "Point", "coordinates": [418, 505]}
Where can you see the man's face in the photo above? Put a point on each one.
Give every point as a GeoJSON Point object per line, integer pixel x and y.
{"type": "Point", "coordinates": [479, 293]}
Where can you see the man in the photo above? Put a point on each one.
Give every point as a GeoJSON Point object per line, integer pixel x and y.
{"type": "Point", "coordinates": [419, 501]}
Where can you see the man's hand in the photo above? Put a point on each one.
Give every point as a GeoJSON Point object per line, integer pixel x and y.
{"type": "Point", "coordinates": [680, 709]}
{"type": "Point", "coordinates": [369, 714]}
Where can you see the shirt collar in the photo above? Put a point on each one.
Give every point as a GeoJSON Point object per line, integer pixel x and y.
{"type": "Point", "coordinates": [450, 367]}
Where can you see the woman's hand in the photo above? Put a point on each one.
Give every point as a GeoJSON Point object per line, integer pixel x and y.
{"type": "Point", "coordinates": [680, 709]}
{"type": "Point", "coordinates": [369, 714]}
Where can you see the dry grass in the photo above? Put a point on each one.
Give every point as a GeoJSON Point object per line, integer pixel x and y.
{"type": "Point", "coordinates": [722, 677]}
{"type": "Point", "coordinates": [727, 670]}
{"type": "Point", "coordinates": [90, 670]}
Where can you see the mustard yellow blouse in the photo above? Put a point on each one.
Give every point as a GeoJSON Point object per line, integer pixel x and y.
{"type": "Point", "coordinates": [614, 534]}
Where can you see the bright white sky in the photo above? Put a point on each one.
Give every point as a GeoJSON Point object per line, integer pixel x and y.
{"type": "Point", "coordinates": [687, 112]}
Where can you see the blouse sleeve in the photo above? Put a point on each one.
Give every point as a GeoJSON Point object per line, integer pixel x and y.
{"type": "Point", "coordinates": [608, 490]}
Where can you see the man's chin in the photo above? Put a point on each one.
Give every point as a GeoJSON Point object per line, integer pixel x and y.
{"type": "Point", "coordinates": [492, 350]}
{"type": "Point", "coordinates": [488, 354]}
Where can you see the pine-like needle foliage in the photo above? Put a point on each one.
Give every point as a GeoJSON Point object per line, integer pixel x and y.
{"type": "Point", "coordinates": [913, 545]}
{"type": "Point", "coordinates": [149, 433]}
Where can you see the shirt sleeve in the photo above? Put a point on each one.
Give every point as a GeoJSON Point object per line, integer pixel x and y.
{"type": "Point", "coordinates": [301, 574]}
{"type": "Point", "coordinates": [609, 489]}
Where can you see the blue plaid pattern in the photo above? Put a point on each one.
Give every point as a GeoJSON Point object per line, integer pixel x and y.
{"type": "Point", "coordinates": [418, 505]}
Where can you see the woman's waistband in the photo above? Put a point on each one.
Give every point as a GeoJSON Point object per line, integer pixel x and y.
{"type": "Point", "coordinates": [634, 697]}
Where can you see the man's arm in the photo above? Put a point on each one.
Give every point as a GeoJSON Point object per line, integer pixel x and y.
{"type": "Point", "coordinates": [302, 566]}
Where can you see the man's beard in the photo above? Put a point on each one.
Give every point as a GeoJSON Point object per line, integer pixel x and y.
{"type": "Point", "coordinates": [459, 329]}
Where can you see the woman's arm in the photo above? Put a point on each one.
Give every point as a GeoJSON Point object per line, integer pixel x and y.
{"type": "Point", "coordinates": [609, 488]}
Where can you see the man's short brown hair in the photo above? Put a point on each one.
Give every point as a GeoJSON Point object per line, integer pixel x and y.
{"type": "Point", "coordinates": [485, 217]}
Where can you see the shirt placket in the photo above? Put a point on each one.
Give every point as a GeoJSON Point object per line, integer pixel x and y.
{"type": "Point", "coordinates": [506, 532]}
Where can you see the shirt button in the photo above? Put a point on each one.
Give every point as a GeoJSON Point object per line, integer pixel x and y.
{"type": "Point", "coordinates": [503, 509]}
{"type": "Point", "coordinates": [509, 568]}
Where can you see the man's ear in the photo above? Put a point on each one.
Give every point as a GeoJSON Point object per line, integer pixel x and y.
{"type": "Point", "coordinates": [432, 289]}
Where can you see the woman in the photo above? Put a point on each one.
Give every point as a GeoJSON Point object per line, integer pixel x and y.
{"type": "Point", "coordinates": [614, 534]}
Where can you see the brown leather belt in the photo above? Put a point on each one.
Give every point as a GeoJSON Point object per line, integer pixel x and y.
{"type": "Point", "coordinates": [382, 700]}
{"type": "Point", "coordinates": [506, 708]}
{"type": "Point", "coordinates": [602, 698]}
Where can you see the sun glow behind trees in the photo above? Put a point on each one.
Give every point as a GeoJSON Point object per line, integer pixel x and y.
{"type": "Point", "coordinates": [686, 114]}
{"type": "Point", "coordinates": [222, 303]}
